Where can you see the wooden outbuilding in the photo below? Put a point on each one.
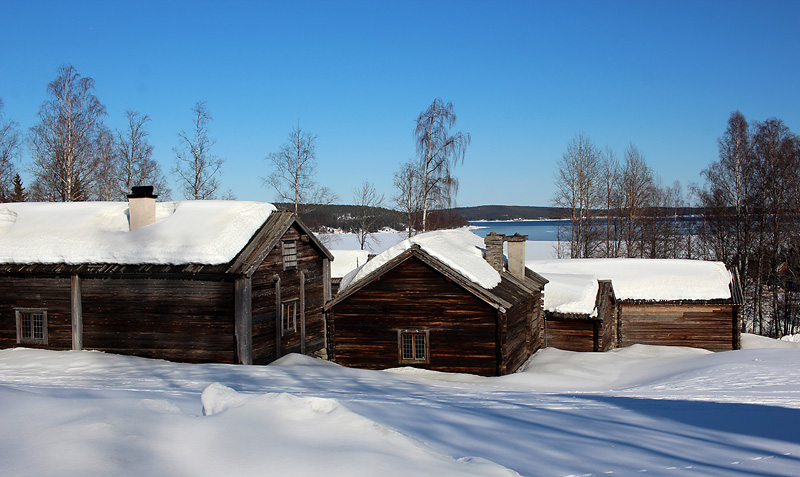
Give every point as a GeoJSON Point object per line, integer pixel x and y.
{"type": "Point", "coordinates": [574, 326]}
{"type": "Point", "coordinates": [661, 302]}
{"type": "Point", "coordinates": [192, 281]}
{"type": "Point", "coordinates": [434, 302]}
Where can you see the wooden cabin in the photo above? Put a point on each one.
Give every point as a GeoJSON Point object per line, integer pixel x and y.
{"type": "Point", "coordinates": [709, 324]}
{"type": "Point", "coordinates": [575, 323]}
{"type": "Point", "coordinates": [192, 281]}
{"type": "Point", "coordinates": [434, 302]}
{"type": "Point", "coordinates": [662, 302]}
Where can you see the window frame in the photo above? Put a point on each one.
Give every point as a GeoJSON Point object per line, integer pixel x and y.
{"type": "Point", "coordinates": [292, 322]}
{"type": "Point", "coordinates": [19, 317]}
{"type": "Point", "coordinates": [415, 335]}
{"type": "Point", "coordinates": [289, 254]}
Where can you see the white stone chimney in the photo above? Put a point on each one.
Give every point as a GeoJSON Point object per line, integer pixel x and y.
{"type": "Point", "coordinates": [141, 206]}
{"type": "Point", "coordinates": [516, 254]}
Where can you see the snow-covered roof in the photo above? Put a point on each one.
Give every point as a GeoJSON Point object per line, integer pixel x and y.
{"type": "Point", "coordinates": [461, 250]}
{"type": "Point", "coordinates": [570, 293]}
{"type": "Point", "coordinates": [204, 232]}
{"type": "Point", "coordinates": [648, 279]}
{"type": "Point", "coordinates": [344, 261]}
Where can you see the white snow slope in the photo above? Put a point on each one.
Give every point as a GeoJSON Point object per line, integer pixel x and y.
{"type": "Point", "coordinates": [643, 409]}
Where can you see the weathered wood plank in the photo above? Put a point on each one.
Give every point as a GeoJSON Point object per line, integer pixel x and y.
{"type": "Point", "coordinates": [77, 313]}
{"type": "Point", "coordinates": [243, 316]}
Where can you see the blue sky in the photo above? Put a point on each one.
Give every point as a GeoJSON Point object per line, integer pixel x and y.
{"type": "Point", "coordinates": [524, 79]}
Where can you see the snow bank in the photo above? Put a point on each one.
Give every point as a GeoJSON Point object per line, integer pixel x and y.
{"type": "Point", "coordinates": [460, 249]}
{"type": "Point", "coordinates": [791, 338]}
{"type": "Point", "coordinates": [648, 279]}
{"type": "Point", "coordinates": [644, 409]}
{"type": "Point", "coordinates": [206, 232]}
{"type": "Point", "coordinates": [751, 341]}
{"type": "Point", "coordinates": [570, 293]}
{"type": "Point", "coordinates": [345, 261]}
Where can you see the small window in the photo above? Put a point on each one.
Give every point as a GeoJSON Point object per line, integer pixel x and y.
{"type": "Point", "coordinates": [289, 317]}
{"type": "Point", "coordinates": [413, 346]}
{"type": "Point", "coordinates": [31, 326]}
{"type": "Point", "coordinates": [289, 254]}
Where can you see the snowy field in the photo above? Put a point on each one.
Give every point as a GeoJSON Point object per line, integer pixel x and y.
{"type": "Point", "coordinates": [638, 410]}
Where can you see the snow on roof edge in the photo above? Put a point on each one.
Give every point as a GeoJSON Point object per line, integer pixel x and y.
{"type": "Point", "coordinates": [202, 232]}
{"type": "Point", "coordinates": [459, 249]}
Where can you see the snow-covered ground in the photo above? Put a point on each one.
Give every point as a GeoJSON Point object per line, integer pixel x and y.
{"type": "Point", "coordinates": [643, 409]}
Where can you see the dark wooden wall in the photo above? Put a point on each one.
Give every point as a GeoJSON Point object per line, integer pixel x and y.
{"type": "Point", "coordinates": [585, 333]}
{"type": "Point", "coordinates": [414, 296]}
{"type": "Point", "coordinates": [179, 320]}
{"type": "Point", "coordinates": [52, 294]}
{"type": "Point", "coordinates": [571, 334]}
{"type": "Point", "coordinates": [521, 336]}
{"type": "Point", "coordinates": [608, 312]}
{"type": "Point", "coordinates": [713, 327]}
{"type": "Point", "coordinates": [265, 317]}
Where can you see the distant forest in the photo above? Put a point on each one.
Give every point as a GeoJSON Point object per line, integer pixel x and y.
{"type": "Point", "coordinates": [349, 218]}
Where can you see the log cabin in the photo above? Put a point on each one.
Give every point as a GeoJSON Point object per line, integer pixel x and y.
{"type": "Point", "coordinates": [580, 313]}
{"type": "Point", "coordinates": [434, 302]}
{"type": "Point", "coordinates": [664, 302]}
{"type": "Point", "coordinates": [190, 281]}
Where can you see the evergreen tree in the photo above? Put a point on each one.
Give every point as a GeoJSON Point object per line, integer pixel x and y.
{"type": "Point", "coordinates": [19, 194]}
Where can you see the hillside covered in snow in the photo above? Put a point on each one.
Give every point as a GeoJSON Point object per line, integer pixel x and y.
{"type": "Point", "coordinates": [642, 409]}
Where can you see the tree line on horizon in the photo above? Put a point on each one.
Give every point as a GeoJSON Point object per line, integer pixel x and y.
{"type": "Point", "coordinates": [747, 214]}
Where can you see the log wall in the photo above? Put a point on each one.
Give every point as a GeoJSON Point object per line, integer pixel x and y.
{"type": "Point", "coordinates": [522, 334]}
{"type": "Point", "coordinates": [571, 334]}
{"type": "Point", "coordinates": [178, 320]}
{"type": "Point", "coordinates": [266, 319]}
{"type": "Point", "coordinates": [413, 296]}
{"type": "Point", "coordinates": [51, 294]}
{"type": "Point", "coordinates": [713, 327]}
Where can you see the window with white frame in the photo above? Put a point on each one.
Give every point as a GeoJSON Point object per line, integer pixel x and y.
{"type": "Point", "coordinates": [413, 346]}
{"type": "Point", "coordinates": [31, 325]}
{"type": "Point", "coordinates": [289, 254]}
{"type": "Point", "coordinates": [289, 316]}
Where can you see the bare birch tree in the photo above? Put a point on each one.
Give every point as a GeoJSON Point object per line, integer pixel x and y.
{"type": "Point", "coordinates": [438, 151]}
{"type": "Point", "coordinates": [609, 175]}
{"type": "Point", "coordinates": [730, 185]}
{"type": "Point", "coordinates": [578, 181]}
{"type": "Point", "coordinates": [408, 199]}
{"type": "Point", "coordinates": [9, 148]}
{"type": "Point", "coordinates": [136, 163]}
{"type": "Point", "coordinates": [636, 187]}
{"type": "Point", "coordinates": [107, 164]}
{"type": "Point", "coordinates": [63, 143]}
{"type": "Point", "coordinates": [294, 169]}
{"type": "Point", "coordinates": [198, 168]}
{"type": "Point", "coordinates": [366, 200]}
